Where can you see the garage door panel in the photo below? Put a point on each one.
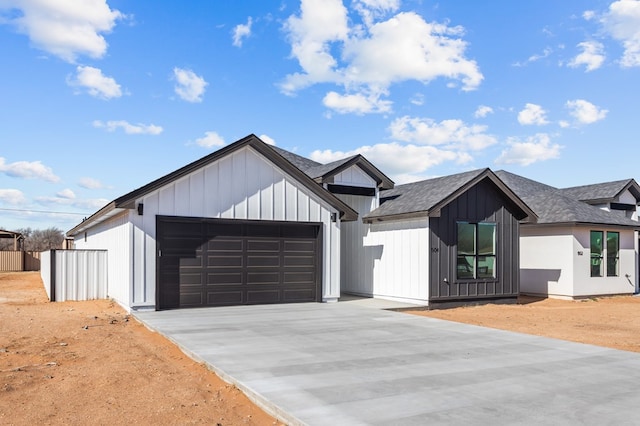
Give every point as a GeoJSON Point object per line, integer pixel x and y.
{"type": "Point", "coordinates": [299, 277]}
{"type": "Point", "coordinates": [237, 262]}
{"type": "Point", "coordinates": [190, 262]}
{"type": "Point", "coordinates": [263, 245]}
{"type": "Point", "coordinates": [263, 296]}
{"type": "Point", "coordinates": [300, 261]}
{"type": "Point", "coordinates": [225, 261]}
{"type": "Point", "coordinates": [265, 261]}
{"type": "Point", "coordinates": [191, 299]}
{"type": "Point", "coordinates": [220, 279]}
{"type": "Point", "coordinates": [263, 278]}
{"type": "Point", "coordinates": [298, 295]}
{"type": "Point", "coordinates": [299, 246]}
{"type": "Point", "coordinates": [225, 298]}
{"type": "Point", "coordinates": [224, 245]}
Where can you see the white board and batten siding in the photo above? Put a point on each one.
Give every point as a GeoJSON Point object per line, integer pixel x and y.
{"type": "Point", "coordinates": [389, 260]}
{"type": "Point", "coordinates": [354, 176]}
{"type": "Point", "coordinates": [242, 185]}
{"type": "Point", "coordinates": [115, 236]}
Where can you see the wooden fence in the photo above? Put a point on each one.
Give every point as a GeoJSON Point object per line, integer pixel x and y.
{"type": "Point", "coordinates": [14, 261]}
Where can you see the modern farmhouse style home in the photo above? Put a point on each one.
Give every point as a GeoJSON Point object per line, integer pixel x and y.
{"type": "Point", "coordinates": [255, 224]}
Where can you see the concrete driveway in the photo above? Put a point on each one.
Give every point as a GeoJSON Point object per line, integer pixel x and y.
{"type": "Point", "coordinates": [350, 364]}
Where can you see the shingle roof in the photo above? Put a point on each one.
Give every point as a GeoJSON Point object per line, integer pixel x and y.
{"type": "Point", "coordinates": [281, 158]}
{"type": "Point", "coordinates": [428, 196]}
{"type": "Point", "coordinates": [420, 196]}
{"type": "Point", "coordinates": [553, 205]}
{"type": "Point", "coordinates": [322, 169]}
{"type": "Point", "coordinates": [299, 161]}
{"type": "Point", "coordinates": [605, 192]}
{"type": "Point", "coordinates": [319, 171]}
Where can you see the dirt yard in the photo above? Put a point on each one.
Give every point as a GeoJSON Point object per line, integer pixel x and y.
{"type": "Point", "coordinates": [613, 322]}
{"type": "Point", "coordinates": [91, 363]}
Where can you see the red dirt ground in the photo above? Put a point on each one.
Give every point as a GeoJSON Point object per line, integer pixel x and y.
{"type": "Point", "coordinates": [91, 363]}
{"type": "Point", "coordinates": [613, 322]}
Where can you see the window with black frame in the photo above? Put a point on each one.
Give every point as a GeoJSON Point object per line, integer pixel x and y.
{"type": "Point", "coordinates": [597, 252]}
{"type": "Point", "coordinates": [602, 250]}
{"type": "Point", "coordinates": [476, 250]}
{"type": "Point", "coordinates": [613, 253]}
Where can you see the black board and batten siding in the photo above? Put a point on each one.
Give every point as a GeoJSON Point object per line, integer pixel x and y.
{"type": "Point", "coordinates": [483, 202]}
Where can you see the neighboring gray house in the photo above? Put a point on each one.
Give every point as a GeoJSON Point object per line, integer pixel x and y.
{"type": "Point", "coordinates": [585, 242]}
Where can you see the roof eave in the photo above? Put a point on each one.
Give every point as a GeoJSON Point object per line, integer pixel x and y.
{"type": "Point", "coordinates": [530, 215]}
{"type": "Point", "coordinates": [397, 216]}
{"type": "Point", "coordinates": [128, 200]}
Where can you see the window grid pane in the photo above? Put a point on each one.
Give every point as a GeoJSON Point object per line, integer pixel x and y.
{"type": "Point", "coordinates": [613, 253]}
{"type": "Point", "coordinates": [596, 253]}
{"type": "Point", "coordinates": [476, 257]}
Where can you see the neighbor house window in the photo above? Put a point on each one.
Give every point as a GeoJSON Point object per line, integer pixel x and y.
{"type": "Point", "coordinates": [613, 253]}
{"type": "Point", "coordinates": [600, 252]}
{"type": "Point", "coordinates": [476, 250]}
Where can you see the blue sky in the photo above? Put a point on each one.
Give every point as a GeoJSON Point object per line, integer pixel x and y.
{"type": "Point", "coordinates": [98, 97]}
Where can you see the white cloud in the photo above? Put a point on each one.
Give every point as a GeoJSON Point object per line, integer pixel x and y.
{"type": "Point", "coordinates": [268, 140]}
{"type": "Point", "coordinates": [588, 15]}
{"type": "Point", "coordinates": [367, 60]}
{"type": "Point", "coordinates": [396, 159]}
{"type": "Point", "coordinates": [65, 29]}
{"type": "Point", "coordinates": [12, 196]}
{"type": "Point", "coordinates": [585, 112]}
{"type": "Point", "coordinates": [242, 31]}
{"type": "Point", "coordinates": [482, 111]}
{"type": "Point", "coordinates": [28, 170]}
{"type": "Point", "coordinates": [90, 183]}
{"type": "Point", "coordinates": [130, 129]}
{"type": "Point", "coordinates": [417, 99]}
{"type": "Point", "coordinates": [622, 22]}
{"type": "Point", "coordinates": [67, 194]}
{"type": "Point", "coordinates": [88, 204]}
{"type": "Point", "coordinates": [97, 84]}
{"type": "Point", "coordinates": [357, 103]}
{"type": "Point", "coordinates": [592, 56]}
{"type": "Point", "coordinates": [535, 57]}
{"type": "Point", "coordinates": [210, 140]}
{"type": "Point", "coordinates": [533, 149]}
{"type": "Point", "coordinates": [564, 124]}
{"type": "Point", "coordinates": [371, 10]}
{"type": "Point", "coordinates": [452, 134]}
{"type": "Point", "coordinates": [532, 114]}
{"type": "Point", "coordinates": [189, 86]}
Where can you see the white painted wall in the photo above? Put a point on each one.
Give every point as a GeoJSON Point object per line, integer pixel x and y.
{"type": "Point", "coordinates": [585, 285]}
{"type": "Point", "coordinates": [356, 274]}
{"type": "Point", "coordinates": [546, 260]}
{"type": "Point", "coordinates": [243, 185]}
{"type": "Point", "coordinates": [555, 261]}
{"type": "Point", "coordinates": [399, 254]}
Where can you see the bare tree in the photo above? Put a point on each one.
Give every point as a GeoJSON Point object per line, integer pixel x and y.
{"type": "Point", "coordinates": [37, 239]}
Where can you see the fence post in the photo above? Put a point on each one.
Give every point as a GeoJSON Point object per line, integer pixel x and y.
{"type": "Point", "coordinates": [52, 271]}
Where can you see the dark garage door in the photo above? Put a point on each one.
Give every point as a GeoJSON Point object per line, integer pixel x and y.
{"type": "Point", "coordinates": [215, 262]}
